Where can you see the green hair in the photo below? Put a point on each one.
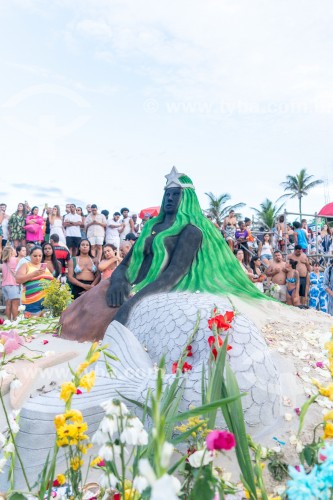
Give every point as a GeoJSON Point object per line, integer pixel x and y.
{"type": "Point", "coordinates": [215, 269]}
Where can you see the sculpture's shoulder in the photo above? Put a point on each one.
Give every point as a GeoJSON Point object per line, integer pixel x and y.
{"type": "Point", "coordinates": [192, 232]}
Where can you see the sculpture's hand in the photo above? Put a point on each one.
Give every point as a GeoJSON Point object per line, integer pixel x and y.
{"type": "Point", "coordinates": [117, 293]}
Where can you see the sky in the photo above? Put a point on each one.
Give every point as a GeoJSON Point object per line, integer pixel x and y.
{"type": "Point", "coordinates": [100, 98]}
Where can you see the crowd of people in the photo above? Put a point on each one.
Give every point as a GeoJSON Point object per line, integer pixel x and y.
{"type": "Point", "coordinates": [285, 261]}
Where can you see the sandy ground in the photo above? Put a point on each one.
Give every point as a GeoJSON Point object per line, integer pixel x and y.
{"type": "Point", "coordinates": [296, 339]}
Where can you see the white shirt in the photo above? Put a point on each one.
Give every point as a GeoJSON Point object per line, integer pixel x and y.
{"type": "Point", "coordinates": [73, 231]}
{"type": "Point", "coordinates": [95, 230]}
{"type": "Point", "coordinates": [4, 225]}
{"type": "Point", "coordinates": [112, 233]}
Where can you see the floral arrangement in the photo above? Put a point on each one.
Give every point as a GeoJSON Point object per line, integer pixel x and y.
{"type": "Point", "coordinates": [166, 454]}
{"type": "Point", "coordinates": [58, 297]}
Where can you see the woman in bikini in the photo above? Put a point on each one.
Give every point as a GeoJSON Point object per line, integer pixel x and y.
{"type": "Point", "coordinates": [292, 282]}
{"type": "Point", "coordinates": [109, 262]}
{"type": "Point", "coordinates": [82, 270]}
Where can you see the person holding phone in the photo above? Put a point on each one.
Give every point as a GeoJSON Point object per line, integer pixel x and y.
{"type": "Point", "coordinates": [33, 276]}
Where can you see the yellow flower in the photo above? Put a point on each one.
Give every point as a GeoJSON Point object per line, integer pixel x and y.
{"type": "Point", "coordinates": [96, 461]}
{"type": "Point", "coordinates": [329, 415]}
{"type": "Point", "coordinates": [328, 431]}
{"type": "Point", "coordinates": [76, 463]}
{"type": "Point", "coordinates": [59, 420]}
{"type": "Point", "coordinates": [88, 380]}
{"type": "Point", "coordinates": [61, 479]}
{"type": "Point", "coordinates": [62, 442]}
{"type": "Point", "coordinates": [74, 415]}
{"type": "Point", "coordinates": [83, 366]}
{"type": "Point", "coordinates": [67, 390]}
{"type": "Point", "coordinates": [131, 494]}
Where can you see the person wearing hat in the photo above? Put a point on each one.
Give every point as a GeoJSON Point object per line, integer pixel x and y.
{"type": "Point", "coordinates": [128, 223]}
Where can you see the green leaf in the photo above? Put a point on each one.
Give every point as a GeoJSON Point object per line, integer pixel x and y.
{"type": "Point", "coordinates": [304, 410]}
{"type": "Point", "coordinates": [200, 410]}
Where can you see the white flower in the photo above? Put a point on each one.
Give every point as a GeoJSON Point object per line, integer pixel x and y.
{"type": "Point", "coordinates": [2, 439]}
{"type": "Point", "coordinates": [165, 488]}
{"type": "Point", "coordinates": [114, 407]}
{"type": "Point", "coordinates": [147, 471]}
{"type": "Point", "coordinates": [134, 434]}
{"type": "Point", "coordinates": [109, 425]}
{"type": "Point", "coordinates": [108, 480]}
{"type": "Point", "coordinates": [21, 308]}
{"type": "Point", "coordinates": [2, 463]}
{"type": "Point", "coordinates": [2, 347]}
{"type": "Point", "coordinates": [263, 452]}
{"type": "Point", "coordinates": [9, 448]}
{"type": "Point", "coordinates": [167, 451]}
{"type": "Point", "coordinates": [109, 453]}
{"type": "Point", "coordinates": [100, 437]}
{"type": "Point", "coordinates": [16, 384]}
{"type": "Point", "coordinates": [140, 483]}
{"type": "Point", "coordinates": [200, 458]}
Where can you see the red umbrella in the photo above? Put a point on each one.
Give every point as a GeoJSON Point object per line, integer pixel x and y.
{"type": "Point", "coordinates": [152, 211]}
{"type": "Point", "coordinates": [327, 210]}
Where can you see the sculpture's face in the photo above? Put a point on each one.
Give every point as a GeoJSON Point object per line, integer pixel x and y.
{"type": "Point", "coordinates": [172, 199]}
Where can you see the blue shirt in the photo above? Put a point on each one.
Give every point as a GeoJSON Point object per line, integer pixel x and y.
{"type": "Point", "coordinates": [301, 238]}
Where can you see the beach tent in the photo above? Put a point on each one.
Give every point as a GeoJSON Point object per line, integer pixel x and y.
{"type": "Point", "coordinates": [327, 210]}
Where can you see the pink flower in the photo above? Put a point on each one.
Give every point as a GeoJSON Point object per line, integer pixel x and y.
{"type": "Point", "coordinates": [101, 463]}
{"type": "Point", "coordinates": [220, 440]}
{"type": "Point", "coordinates": [297, 467]}
{"type": "Point", "coordinates": [10, 340]}
{"type": "Point", "coordinates": [320, 364]}
{"type": "Point", "coordinates": [78, 391]}
{"type": "Point", "coordinates": [45, 342]}
{"type": "Point", "coordinates": [297, 411]}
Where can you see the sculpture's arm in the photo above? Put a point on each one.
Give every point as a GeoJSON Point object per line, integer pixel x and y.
{"type": "Point", "coordinates": [119, 288]}
{"type": "Point", "coordinates": [180, 262]}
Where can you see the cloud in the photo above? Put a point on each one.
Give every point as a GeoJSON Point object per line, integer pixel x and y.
{"type": "Point", "coordinates": [41, 189]}
{"type": "Point", "coordinates": [97, 29]}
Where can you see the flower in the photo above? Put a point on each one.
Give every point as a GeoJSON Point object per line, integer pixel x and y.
{"type": "Point", "coordinates": [212, 344]}
{"type": "Point", "coordinates": [76, 463]}
{"type": "Point", "coordinates": [10, 341]}
{"type": "Point", "coordinates": [200, 458]}
{"type": "Point", "coordinates": [109, 453]}
{"type": "Point", "coordinates": [78, 391]}
{"type": "Point", "coordinates": [221, 321]}
{"type": "Point", "coordinates": [305, 486]}
{"type": "Point", "coordinates": [67, 390]}
{"type": "Point", "coordinates": [134, 434]}
{"type": "Point", "coordinates": [60, 480]}
{"type": "Point", "coordinates": [165, 487]}
{"type": "Point", "coordinates": [9, 448]}
{"type": "Point", "coordinates": [98, 461]}
{"type": "Point", "coordinates": [328, 430]}
{"type": "Point", "coordinates": [147, 471]}
{"type": "Point", "coordinates": [140, 483]}
{"type": "Point", "coordinates": [114, 407]}
{"type": "Point", "coordinates": [189, 351]}
{"type": "Point", "coordinates": [186, 367]}
{"type": "Point", "coordinates": [167, 451]}
{"type": "Point", "coordinates": [220, 440]}
{"type": "Point", "coordinates": [88, 381]}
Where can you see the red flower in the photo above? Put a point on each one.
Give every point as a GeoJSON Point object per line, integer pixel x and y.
{"type": "Point", "coordinates": [220, 440]}
{"type": "Point", "coordinates": [190, 452]}
{"type": "Point", "coordinates": [2, 321]}
{"type": "Point", "coordinates": [189, 351]}
{"type": "Point", "coordinates": [101, 463]}
{"type": "Point", "coordinates": [45, 342]}
{"type": "Point", "coordinates": [212, 344]}
{"type": "Point", "coordinates": [56, 483]}
{"type": "Point", "coordinates": [116, 496]}
{"type": "Point", "coordinates": [174, 367]}
{"type": "Point", "coordinates": [186, 367]}
{"type": "Point", "coordinates": [221, 321]}
{"type": "Point", "coordinates": [78, 391]}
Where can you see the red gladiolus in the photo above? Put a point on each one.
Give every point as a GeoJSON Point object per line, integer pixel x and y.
{"type": "Point", "coordinates": [174, 367]}
{"type": "Point", "coordinates": [212, 344]}
{"type": "Point", "coordinates": [101, 463]}
{"type": "Point", "coordinates": [221, 321]}
{"type": "Point", "coordinates": [220, 440]}
{"type": "Point", "coordinates": [78, 391]}
{"type": "Point", "coordinates": [189, 351]}
{"type": "Point", "coordinates": [186, 367]}
{"type": "Point", "coordinates": [2, 321]}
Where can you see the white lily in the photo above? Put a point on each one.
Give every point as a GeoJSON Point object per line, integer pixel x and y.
{"type": "Point", "coordinates": [200, 458]}
{"type": "Point", "coordinates": [167, 451]}
{"type": "Point", "coordinates": [165, 488]}
{"type": "Point", "coordinates": [114, 407]}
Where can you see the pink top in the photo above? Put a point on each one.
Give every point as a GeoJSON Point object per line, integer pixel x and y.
{"type": "Point", "coordinates": [34, 232]}
{"type": "Point", "coordinates": [8, 271]}
{"type": "Point", "coordinates": [107, 273]}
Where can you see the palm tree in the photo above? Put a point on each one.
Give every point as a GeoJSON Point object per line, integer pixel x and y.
{"type": "Point", "coordinates": [217, 208]}
{"type": "Point", "coordinates": [298, 186]}
{"type": "Point", "coordinates": [268, 213]}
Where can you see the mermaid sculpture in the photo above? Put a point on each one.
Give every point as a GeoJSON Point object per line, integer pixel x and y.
{"type": "Point", "coordinates": [179, 266]}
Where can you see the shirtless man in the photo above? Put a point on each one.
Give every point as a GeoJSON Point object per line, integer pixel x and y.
{"type": "Point", "coordinates": [303, 267]}
{"type": "Point", "coordinates": [277, 271]}
{"type": "Point", "coordinates": [229, 229]}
